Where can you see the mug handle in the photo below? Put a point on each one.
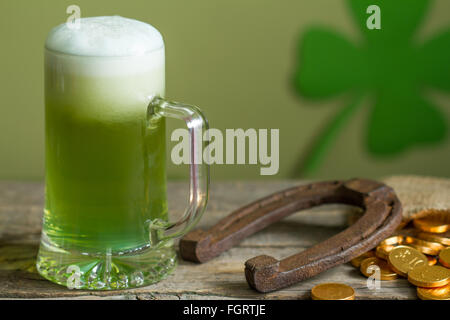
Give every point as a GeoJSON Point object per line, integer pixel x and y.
{"type": "Point", "coordinates": [199, 170]}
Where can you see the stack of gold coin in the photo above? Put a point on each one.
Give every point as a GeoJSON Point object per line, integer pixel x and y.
{"type": "Point", "coordinates": [442, 238]}
{"type": "Point", "coordinates": [441, 293]}
{"type": "Point", "coordinates": [435, 221]}
{"type": "Point", "coordinates": [421, 254]}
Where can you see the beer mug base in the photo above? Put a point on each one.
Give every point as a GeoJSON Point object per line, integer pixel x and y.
{"type": "Point", "coordinates": [106, 271]}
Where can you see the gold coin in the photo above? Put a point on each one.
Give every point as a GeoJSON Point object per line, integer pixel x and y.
{"type": "Point", "coordinates": [423, 249]}
{"type": "Point", "coordinates": [444, 257]}
{"type": "Point", "coordinates": [432, 245]}
{"type": "Point", "coordinates": [431, 260]}
{"type": "Point", "coordinates": [441, 293]}
{"type": "Point", "coordinates": [332, 291]}
{"type": "Point", "coordinates": [436, 221]}
{"type": "Point", "coordinates": [386, 272]}
{"type": "Point", "coordinates": [398, 239]}
{"type": "Point", "coordinates": [382, 251]}
{"type": "Point", "coordinates": [357, 261]}
{"type": "Point", "coordinates": [403, 259]}
{"type": "Point", "coordinates": [442, 238]}
{"type": "Point", "coordinates": [429, 276]}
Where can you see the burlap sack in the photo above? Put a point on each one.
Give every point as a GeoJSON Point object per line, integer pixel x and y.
{"type": "Point", "coordinates": [418, 193]}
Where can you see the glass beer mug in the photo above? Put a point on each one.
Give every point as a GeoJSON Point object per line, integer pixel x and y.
{"type": "Point", "coordinates": [106, 223]}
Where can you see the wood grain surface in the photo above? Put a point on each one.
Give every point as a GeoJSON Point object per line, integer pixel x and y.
{"type": "Point", "coordinates": [21, 206]}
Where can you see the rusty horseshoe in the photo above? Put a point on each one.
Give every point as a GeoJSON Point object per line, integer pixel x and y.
{"type": "Point", "coordinates": [383, 213]}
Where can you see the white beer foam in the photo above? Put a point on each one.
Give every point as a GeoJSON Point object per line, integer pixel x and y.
{"type": "Point", "coordinates": [105, 46]}
{"type": "Point", "coordinates": [104, 37]}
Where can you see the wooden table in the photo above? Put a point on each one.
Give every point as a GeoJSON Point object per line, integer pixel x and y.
{"type": "Point", "coordinates": [222, 278]}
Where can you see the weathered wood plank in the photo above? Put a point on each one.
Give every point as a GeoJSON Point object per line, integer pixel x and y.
{"type": "Point", "coordinates": [222, 278]}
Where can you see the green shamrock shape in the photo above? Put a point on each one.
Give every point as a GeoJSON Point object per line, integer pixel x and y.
{"type": "Point", "coordinates": [390, 66]}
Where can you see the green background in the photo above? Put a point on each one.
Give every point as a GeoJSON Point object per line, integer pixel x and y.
{"type": "Point", "coordinates": [233, 58]}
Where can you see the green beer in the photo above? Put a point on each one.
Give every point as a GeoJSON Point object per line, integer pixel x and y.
{"type": "Point", "coordinates": [106, 202]}
{"type": "Point", "coordinates": [105, 220]}
{"type": "Point", "coordinates": [105, 175]}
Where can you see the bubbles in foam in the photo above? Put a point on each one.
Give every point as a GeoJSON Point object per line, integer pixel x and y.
{"type": "Point", "coordinates": [113, 36]}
